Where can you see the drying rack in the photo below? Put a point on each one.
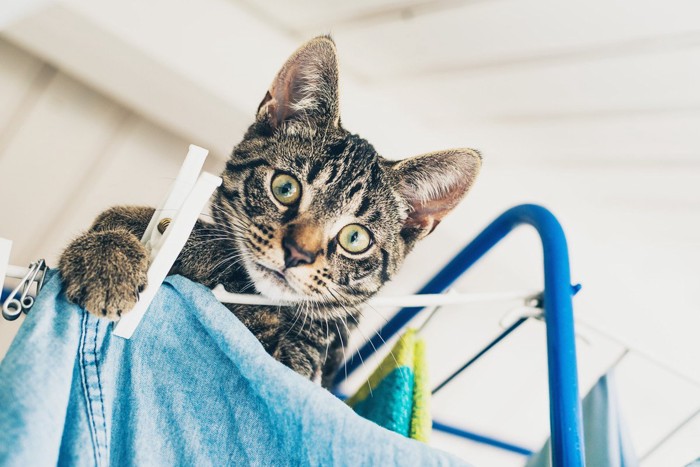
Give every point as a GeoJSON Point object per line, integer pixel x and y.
{"type": "Point", "coordinates": [564, 401]}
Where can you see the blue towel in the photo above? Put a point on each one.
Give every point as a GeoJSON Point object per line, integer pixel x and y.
{"type": "Point", "coordinates": [607, 442]}
{"type": "Point", "coordinates": [192, 387]}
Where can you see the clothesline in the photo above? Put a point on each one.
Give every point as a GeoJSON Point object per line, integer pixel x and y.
{"type": "Point", "coordinates": [644, 355]}
{"type": "Point", "coordinates": [424, 300]}
{"type": "Point", "coordinates": [385, 301]}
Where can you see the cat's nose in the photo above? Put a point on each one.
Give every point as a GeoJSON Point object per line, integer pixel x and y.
{"type": "Point", "coordinates": [294, 255]}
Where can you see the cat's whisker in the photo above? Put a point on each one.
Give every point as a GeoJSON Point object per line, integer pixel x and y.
{"type": "Point", "coordinates": [236, 262]}
{"type": "Point", "coordinates": [306, 315]}
{"type": "Point", "coordinates": [234, 258]}
{"type": "Point", "coordinates": [233, 255]}
{"type": "Point", "coordinates": [384, 343]}
{"type": "Point", "coordinates": [203, 240]}
{"type": "Point", "coordinates": [226, 235]}
{"type": "Point", "coordinates": [357, 324]}
{"type": "Point", "coordinates": [232, 217]}
{"type": "Point", "coordinates": [297, 313]}
{"type": "Point", "coordinates": [348, 313]}
{"type": "Point", "coordinates": [218, 208]}
{"type": "Point", "coordinates": [342, 345]}
{"type": "Point", "coordinates": [362, 360]}
{"type": "Point", "coordinates": [211, 233]}
{"type": "Point", "coordinates": [226, 229]}
{"type": "Point", "coordinates": [365, 304]}
{"type": "Point", "coordinates": [375, 332]}
{"type": "Point", "coordinates": [229, 227]}
{"type": "Point", "coordinates": [328, 339]}
{"type": "Point", "coordinates": [250, 285]}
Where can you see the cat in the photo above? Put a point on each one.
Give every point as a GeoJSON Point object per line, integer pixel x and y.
{"type": "Point", "coordinates": [308, 213]}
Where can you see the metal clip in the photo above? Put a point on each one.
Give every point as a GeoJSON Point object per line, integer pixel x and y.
{"type": "Point", "coordinates": [26, 300]}
{"type": "Point", "coordinates": [13, 306]}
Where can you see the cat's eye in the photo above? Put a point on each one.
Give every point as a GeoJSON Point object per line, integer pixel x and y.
{"type": "Point", "coordinates": [355, 238]}
{"type": "Point", "coordinates": [285, 188]}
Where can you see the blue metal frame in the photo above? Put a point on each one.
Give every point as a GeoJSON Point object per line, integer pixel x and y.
{"type": "Point", "coordinates": [564, 402]}
{"type": "Point", "coordinates": [497, 443]}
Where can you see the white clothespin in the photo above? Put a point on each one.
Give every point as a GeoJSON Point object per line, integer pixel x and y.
{"type": "Point", "coordinates": [188, 196]}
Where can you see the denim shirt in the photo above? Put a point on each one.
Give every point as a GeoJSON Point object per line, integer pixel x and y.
{"type": "Point", "coordinates": [192, 387]}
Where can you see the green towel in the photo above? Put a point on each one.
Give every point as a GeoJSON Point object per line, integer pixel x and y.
{"type": "Point", "coordinates": [399, 398]}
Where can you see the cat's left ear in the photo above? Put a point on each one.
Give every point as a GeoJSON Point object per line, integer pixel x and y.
{"type": "Point", "coordinates": [433, 184]}
{"type": "Point", "coordinates": [306, 88]}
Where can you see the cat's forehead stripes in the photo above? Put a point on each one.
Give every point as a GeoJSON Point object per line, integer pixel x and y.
{"type": "Point", "coordinates": [246, 164]}
{"type": "Point", "coordinates": [314, 170]}
{"type": "Point", "coordinates": [374, 217]}
{"type": "Point", "coordinates": [385, 265]}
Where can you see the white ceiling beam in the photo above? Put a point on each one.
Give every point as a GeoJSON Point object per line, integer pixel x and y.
{"type": "Point", "coordinates": [197, 73]}
{"type": "Point", "coordinates": [196, 67]}
{"type": "Point", "coordinates": [489, 36]}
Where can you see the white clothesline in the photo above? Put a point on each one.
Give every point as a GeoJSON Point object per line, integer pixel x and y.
{"type": "Point", "coordinates": [387, 301]}
{"type": "Point", "coordinates": [383, 301]}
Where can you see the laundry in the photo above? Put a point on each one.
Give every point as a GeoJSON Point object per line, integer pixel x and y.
{"type": "Point", "coordinates": [607, 440]}
{"type": "Point", "coordinates": [191, 387]}
{"type": "Point", "coordinates": [396, 395]}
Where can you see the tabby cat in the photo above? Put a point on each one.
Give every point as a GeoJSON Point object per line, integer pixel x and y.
{"type": "Point", "coordinates": [308, 213]}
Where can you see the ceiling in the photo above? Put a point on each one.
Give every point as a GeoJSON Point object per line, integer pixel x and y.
{"type": "Point", "coordinates": [589, 108]}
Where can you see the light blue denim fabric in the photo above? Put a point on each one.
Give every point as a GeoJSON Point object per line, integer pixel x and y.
{"type": "Point", "coordinates": [192, 387]}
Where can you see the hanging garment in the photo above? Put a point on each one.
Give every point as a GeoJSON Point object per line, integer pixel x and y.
{"type": "Point", "coordinates": [192, 387]}
{"type": "Point", "coordinates": [607, 441]}
{"type": "Point", "coordinates": [396, 395]}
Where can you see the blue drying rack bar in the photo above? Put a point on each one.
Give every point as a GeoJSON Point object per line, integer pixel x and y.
{"type": "Point", "coordinates": [564, 402]}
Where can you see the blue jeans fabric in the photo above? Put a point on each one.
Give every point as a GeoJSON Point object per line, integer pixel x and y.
{"type": "Point", "coordinates": [192, 387]}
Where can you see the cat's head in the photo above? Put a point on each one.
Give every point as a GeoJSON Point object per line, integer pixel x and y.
{"type": "Point", "coordinates": [318, 214]}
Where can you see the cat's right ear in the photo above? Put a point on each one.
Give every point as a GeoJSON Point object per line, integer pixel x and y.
{"type": "Point", "coordinates": [305, 89]}
{"type": "Point", "coordinates": [433, 184]}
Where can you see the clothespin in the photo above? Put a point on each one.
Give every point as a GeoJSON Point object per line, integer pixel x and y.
{"type": "Point", "coordinates": [187, 197]}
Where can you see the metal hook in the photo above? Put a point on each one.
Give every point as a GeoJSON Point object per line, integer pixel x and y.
{"type": "Point", "coordinates": [12, 307]}
{"type": "Point", "coordinates": [524, 311]}
{"type": "Point", "coordinates": [533, 307]}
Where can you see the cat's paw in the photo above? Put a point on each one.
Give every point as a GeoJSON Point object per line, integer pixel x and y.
{"type": "Point", "coordinates": [104, 272]}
